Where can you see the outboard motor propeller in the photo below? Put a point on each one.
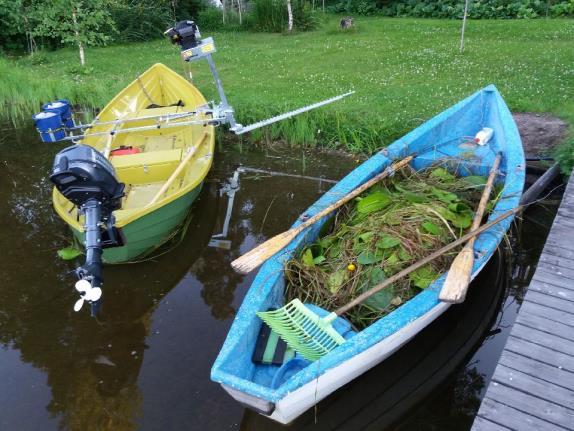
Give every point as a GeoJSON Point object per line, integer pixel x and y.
{"type": "Point", "coordinates": [87, 179]}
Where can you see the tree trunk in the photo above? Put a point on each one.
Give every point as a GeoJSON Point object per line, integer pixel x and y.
{"type": "Point", "coordinates": [78, 40]}
{"type": "Point", "coordinates": [463, 26]}
{"type": "Point", "coordinates": [239, 10]}
{"type": "Point", "coordinates": [29, 36]}
{"type": "Point", "coordinates": [290, 15]}
{"type": "Point", "coordinates": [223, 7]}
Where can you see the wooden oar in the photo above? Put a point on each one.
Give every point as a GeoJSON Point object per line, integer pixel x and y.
{"type": "Point", "coordinates": [252, 259]}
{"type": "Point", "coordinates": [456, 284]}
{"type": "Point", "coordinates": [178, 170]}
{"type": "Point", "coordinates": [313, 336]}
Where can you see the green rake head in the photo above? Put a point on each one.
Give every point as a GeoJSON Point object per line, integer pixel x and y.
{"type": "Point", "coordinates": [303, 330]}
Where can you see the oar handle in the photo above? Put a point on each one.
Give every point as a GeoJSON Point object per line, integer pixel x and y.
{"type": "Point", "coordinates": [486, 192]}
{"type": "Point", "coordinates": [424, 261]}
{"type": "Point", "coordinates": [388, 171]}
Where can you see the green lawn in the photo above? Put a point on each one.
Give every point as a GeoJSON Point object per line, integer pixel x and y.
{"type": "Point", "coordinates": [403, 70]}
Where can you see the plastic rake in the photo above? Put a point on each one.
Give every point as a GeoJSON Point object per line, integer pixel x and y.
{"type": "Point", "coordinates": [313, 336]}
{"type": "Point", "coordinates": [303, 330]}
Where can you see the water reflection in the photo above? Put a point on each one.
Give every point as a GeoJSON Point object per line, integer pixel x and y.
{"type": "Point", "coordinates": [145, 362]}
{"type": "Point", "coordinates": [98, 370]}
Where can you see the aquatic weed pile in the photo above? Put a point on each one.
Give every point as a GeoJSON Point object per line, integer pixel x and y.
{"type": "Point", "coordinates": [393, 225]}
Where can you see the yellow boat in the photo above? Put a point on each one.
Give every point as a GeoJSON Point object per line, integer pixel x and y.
{"type": "Point", "coordinates": [163, 168]}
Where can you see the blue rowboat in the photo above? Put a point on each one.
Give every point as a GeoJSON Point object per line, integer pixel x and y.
{"type": "Point", "coordinates": [284, 392]}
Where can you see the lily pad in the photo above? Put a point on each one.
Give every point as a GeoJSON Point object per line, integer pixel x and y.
{"type": "Point", "coordinates": [404, 255]}
{"type": "Point", "coordinates": [431, 228]}
{"type": "Point", "coordinates": [444, 196]}
{"type": "Point", "coordinates": [319, 260]}
{"type": "Point", "coordinates": [458, 207]}
{"type": "Point", "coordinates": [388, 241]}
{"type": "Point", "coordinates": [69, 253]}
{"type": "Point", "coordinates": [411, 196]}
{"type": "Point", "coordinates": [307, 257]}
{"type": "Point", "coordinates": [382, 299]}
{"type": "Point", "coordinates": [393, 259]}
{"type": "Point", "coordinates": [335, 250]}
{"type": "Point", "coordinates": [373, 202]}
{"type": "Point", "coordinates": [423, 277]}
{"type": "Point", "coordinates": [443, 174]}
{"type": "Point", "coordinates": [463, 220]}
{"type": "Point", "coordinates": [366, 236]}
{"type": "Point", "coordinates": [475, 180]}
{"type": "Point", "coordinates": [336, 280]}
{"type": "Point", "coordinates": [367, 257]}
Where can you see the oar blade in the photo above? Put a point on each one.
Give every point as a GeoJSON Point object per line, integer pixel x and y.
{"type": "Point", "coordinates": [254, 258]}
{"type": "Point", "coordinates": [456, 284]}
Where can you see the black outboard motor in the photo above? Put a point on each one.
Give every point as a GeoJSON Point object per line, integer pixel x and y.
{"type": "Point", "coordinates": [185, 34]}
{"type": "Point", "coordinates": [87, 179]}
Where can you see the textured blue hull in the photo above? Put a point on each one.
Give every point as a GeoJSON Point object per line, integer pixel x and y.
{"type": "Point", "coordinates": [435, 139]}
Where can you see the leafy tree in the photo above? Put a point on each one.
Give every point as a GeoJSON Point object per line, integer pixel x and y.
{"type": "Point", "coordinates": [78, 22]}
{"type": "Point", "coordinates": [15, 25]}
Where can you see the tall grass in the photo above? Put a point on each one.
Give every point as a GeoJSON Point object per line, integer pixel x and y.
{"type": "Point", "coordinates": [22, 93]}
{"type": "Point", "coordinates": [403, 71]}
{"type": "Point", "coordinates": [564, 154]}
{"type": "Point", "coordinates": [271, 16]}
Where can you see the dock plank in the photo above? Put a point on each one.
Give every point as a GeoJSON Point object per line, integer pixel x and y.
{"type": "Point", "coordinates": [510, 418]}
{"type": "Point", "coordinates": [540, 353]}
{"type": "Point", "coordinates": [548, 313]}
{"type": "Point", "coordinates": [482, 424]}
{"type": "Point", "coordinates": [532, 405]}
{"type": "Point", "coordinates": [556, 260]}
{"type": "Point", "coordinates": [543, 324]}
{"type": "Point", "coordinates": [550, 301]}
{"type": "Point", "coordinates": [548, 373]}
{"type": "Point", "coordinates": [541, 338]}
{"type": "Point", "coordinates": [533, 384]}
{"type": "Point", "coordinates": [556, 250]}
{"type": "Point", "coordinates": [551, 286]}
{"type": "Point", "coordinates": [546, 267]}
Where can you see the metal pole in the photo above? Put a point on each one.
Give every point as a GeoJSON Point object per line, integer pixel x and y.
{"type": "Point", "coordinates": [218, 83]}
{"type": "Point", "coordinates": [224, 104]}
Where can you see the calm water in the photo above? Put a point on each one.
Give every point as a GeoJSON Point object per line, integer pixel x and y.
{"type": "Point", "coordinates": [145, 362]}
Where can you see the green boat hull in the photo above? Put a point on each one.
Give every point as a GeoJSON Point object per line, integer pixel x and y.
{"type": "Point", "coordinates": [150, 231]}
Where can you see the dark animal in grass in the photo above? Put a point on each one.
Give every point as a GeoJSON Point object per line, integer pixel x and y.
{"type": "Point", "coordinates": [346, 22]}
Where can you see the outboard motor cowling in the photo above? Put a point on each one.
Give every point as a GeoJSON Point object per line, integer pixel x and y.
{"type": "Point", "coordinates": [81, 173]}
{"type": "Point", "coordinates": [87, 179]}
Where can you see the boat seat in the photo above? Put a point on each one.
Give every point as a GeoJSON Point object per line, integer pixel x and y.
{"type": "Point", "coordinates": [147, 167]}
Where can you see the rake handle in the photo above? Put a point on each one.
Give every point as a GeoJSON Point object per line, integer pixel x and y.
{"type": "Point", "coordinates": [388, 171]}
{"type": "Point", "coordinates": [424, 261]}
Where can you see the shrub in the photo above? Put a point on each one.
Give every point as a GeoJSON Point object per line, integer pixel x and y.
{"type": "Point", "coordinates": [453, 9]}
{"type": "Point", "coordinates": [271, 16]}
{"type": "Point", "coordinates": [141, 20]}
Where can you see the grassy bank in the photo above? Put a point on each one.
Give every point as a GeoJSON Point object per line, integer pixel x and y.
{"type": "Point", "coordinates": [403, 70]}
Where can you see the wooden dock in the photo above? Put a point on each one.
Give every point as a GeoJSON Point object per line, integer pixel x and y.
{"type": "Point", "coordinates": [533, 385]}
